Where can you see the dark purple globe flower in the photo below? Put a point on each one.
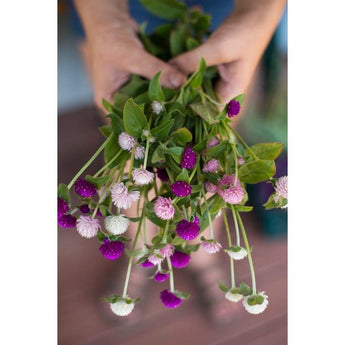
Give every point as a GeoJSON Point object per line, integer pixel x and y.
{"type": "Point", "coordinates": [161, 277]}
{"type": "Point", "coordinates": [188, 158]}
{"type": "Point", "coordinates": [84, 209]}
{"type": "Point", "coordinates": [84, 188]}
{"type": "Point", "coordinates": [179, 259]}
{"type": "Point", "coordinates": [62, 207]}
{"type": "Point", "coordinates": [67, 221]}
{"type": "Point", "coordinates": [170, 300]}
{"type": "Point", "coordinates": [112, 250]}
{"type": "Point", "coordinates": [233, 108]}
{"type": "Point", "coordinates": [188, 230]}
{"type": "Point", "coordinates": [147, 263]}
{"type": "Point", "coordinates": [162, 174]}
{"type": "Point", "coordinates": [180, 188]}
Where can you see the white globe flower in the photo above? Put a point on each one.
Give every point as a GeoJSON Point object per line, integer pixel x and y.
{"type": "Point", "coordinates": [139, 152]}
{"type": "Point", "coordinates": [233, 297]}
{"type": "Point", "coordinates": [156, 107]}
{"type": "Point", "coordinates": [142, 177]}
{"type": "Point", "coordinates": [117, 225]}
{"type": "Point", "coordinates": [252, 305]}
{"type": "Point", "coordinates": [126, 141]}
{"type": "Point", "coordinates": [237, 253]}
{"type": "Point", "coordinates": [121, 308]}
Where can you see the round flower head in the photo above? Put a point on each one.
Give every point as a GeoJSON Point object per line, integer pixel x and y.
{"type": "Point", "coordinates": [67, 221]}
{"type": "Point", "coordinates": [117, 225]}
{"type": "Point", "coordinates": [213, 142]}
{"type": "Point", "coordinates": [167, 251]}
{"type": "Point", "coordinates": [87, 226]}
{"type": "Point", "coordinates": [281, 188]}
{"type": "Point", "coordinates": [233, 108]}
{"type": "Point", "coordinates": [142, 177]}
{"type": "Point", "coordinates": [154, 259]}
{"type": "Point", "coordinates": [84, 209]}
{"type": "Point", "coordinates": [164, 208]}
{"type": "Point", "coordinates": [188, 158]}
{"type": "Point", "coordinates": [240, 160]}
{"type": "Point", "coordinates": [126, 141]}
{"type": "Point", "coordinates": [211, 166]}
{"type": "Point", "coordinates": [255, 304]}
{"type": "Point", "coordinates": [237, 253]}
{"type": "Point", "coordinates": [162, 174]}
{"type": "Point", "coordinates": [179, 259]}
{"type": "Point", "coordinates": [170, 300]}
{"type": "Point", "coordinates": [122, 308]}
{"type": "Point", "coordinates": [156, 107]}
{"type": "Point", "coordinates": [188, 230]}
{"type": "Point", "coordinates": [84, 188]}
{"type": "Point", "coordinates": [112, 250]}
{"type": "Point", "coordinates": [233, 194]}
{"type": "Point", "coordinates": [161, 277]}
{"type": "Point", "coordinates": [139, 152]}
{"type": "Point", "coordinates": [181, 189]}
{"type": "Point", "coordinates": [121, 197]}
{"type": "Point", "coordinates": [211, 246]}
{"type": "Point", "coordinates": [62, 207]}
{"type": "Point", "coordinates": [233, 297]}
{"type": "Point", "coordinates": [147, 263]}
{"type": "Point", "coordinates": [210, 187]}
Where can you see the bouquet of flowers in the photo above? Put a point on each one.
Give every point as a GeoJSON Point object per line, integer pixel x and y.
{"type": "Point", "coordinates": [173, 155]}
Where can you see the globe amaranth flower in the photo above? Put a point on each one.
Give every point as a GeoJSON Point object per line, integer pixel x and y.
{"type": "Point", "coordinates": [210, 187]}
{"type": "Point", "coordinates": [154, 259]}
{"type": "Point", "coordinates": [164, 208]}
{"type": "Point", "coordinates": [188, 230]}
{"type": "Point", "coordinates": [121, 197]}
{"type": "Point", "coordinates": [255, 304]}
{"type": "Point", "coordinates": [157, 107]}
{"type": "Point", "coordinates": [211, 166]}
{"type": "Point", "coordinates": [122, 308]}
{"type": "Point", "coordinates": [161, 277]}
{"type": "Point", "coordinates": [213, 142]}
{"type": "Point", "coordinates": [167, 251]}
{"type": "Point", "coordinates": [139, 152]}
{"type": "Point", "coordinates": [188, 158]}
{"type": "Point", "coordinates": [233, 297]}
{"type": "Point", "coordinates": [233, 108]}
{"type": "Point", "coordinates": [162, 174]}
{"type": "Point", "coordinates": [147, 264]}
{"type": "Point", "coordinates": [87, 226]}
{"type": "Point", "coordinates": [179, 259]}
{"type": "Point", "coordinates": [228, 191]}
{"type": "Point", "coordinates": [237, 253]}
{"type": "Point", "coordinates": [181, 188]}
{"type": "Point", "coordinates": [142, 177]}
{"type": "Point", "coordinates": [62, 207]}
{"type": "Point", "coordinates": [169, 299]}
{"type": "Point", "coordinates": [117, 225]}
{"type": "Point", "coordinates": [126, 141]}
{"type": "Point", "coordinates": [112, 250]}
{"type": "Point", "coordinates": [211, 246]}
{"type": "Point", "coordinates": [240, 160]}
{"type": "Point", "coordinates": [84, 209]}
{"type": "Point", "coordinates": [67, 221]}
{"type": "Point", "coordinates": [84, 188]}
{"type": "Point", "coordinates": [281, 188]}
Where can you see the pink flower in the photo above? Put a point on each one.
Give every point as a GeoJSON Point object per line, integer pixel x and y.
{"type": "Point", "coordinates": [126, 141]}
{"type": "Point", "coordinates": [211, 166]}
{"type": "Point", "coordinates": [210, 187]}
{"type": "Point", "coordinates": [240, 160]}
{"type": "Point", "coordinates": [213, 142]}
{"type": "Point", "coordinates": [167, 251]}
{"type": "Point", "coordinates": [154, 259]}
{"type": "Point", "coordinates": [232, 195]}
{"type": "Point", "coordinates": [139, 152]}
{"type": "Point", "coordinates": [121, 197]}
{"type": "Point", "coordinates": [142, 177]}
{"type": "Point", "coordinates": [211, 246]}
{"type": "Point", "coordinates": [281, 188]}
{"type": "Point", "coordinates": [87, 226]}
{"type": "Point", "coordinates": [164, 208]}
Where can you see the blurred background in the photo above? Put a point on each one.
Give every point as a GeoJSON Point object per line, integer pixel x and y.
{"type": "Point", "coordinates": [84, 276]}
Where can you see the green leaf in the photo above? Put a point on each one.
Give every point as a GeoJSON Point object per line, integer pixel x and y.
{"type": "Point", "coordinates": [134, 87]}
{"type": "Point", "coordinates": [174, 150]}
{"type": "Point", "coordinates": [256, 171]}
{"type": "Point", "coordinates": [206, 111]}
{"type": "Point", "coordinates": [223, 287]}
{"type": "Point", "coordinates": [183, 176]}
{"type": "Point", "coordinates": [100, 236]}
{"type": "Point", "coordinates": [158, 155]}
{"type": "Point", "coordinates": [245, 289]}
{"type": "Point", "coordinates": [239, 98]}
{"type": "Point", "coordinates": [175, 107]}
{"type": "Point", "coordinates": [155, 89]}
{"type": "Point", "coordinates": [196, 81]}
{"type": "Point", "coordinates": [63, 192]}
{"type": "Point", "coordinates": [134, 119]}
{"type": "Point", "coordinates": [182, 136]}
{"type": "Point", "coordinates": [200, 146]}
{"type": "Point", "coordinates": [242, 208]}
{"type": "Point", "coordinates": [109, 107]}
{"type": "Point", "coordinates": [161, 132]}
{"type": "Point", "coordinates": [181, 295]}
{"type": "Point", "coordinates": [116, 123]}
{"type": "Point", "coordinates": [269, 151]}
{"type": "Point", "coordinates": [166, 9]}
{"type": "Point", "coordinates": [216, 151]}
{"type": "Point", "coordinates": [98, 182]}
{"type": "Point", "coordinates": [191, 43]}
{"type": "Point", "coordinates": [104, 211]}
{"type": "Point", "coordinates": [157, 239]}
{"type": "Point", "coordinates": [177, 40]}
{"type": "Point", "coordinates": [217, 205]}
{"type": "Point", "coordinates": [105, 130]}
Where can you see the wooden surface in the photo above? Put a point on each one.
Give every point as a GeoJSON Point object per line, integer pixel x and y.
{"type": "Point", "coordinates": [84, 277]}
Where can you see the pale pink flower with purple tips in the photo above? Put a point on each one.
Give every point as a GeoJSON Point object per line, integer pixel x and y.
{"type": "Point", "coordinates": [240, 160]}
{"type": "Point", "coordinates": [281, 188]}
{"type": "Point", "coordinates": [112, 250]}
{"type": "Point", "coordinates": [164, 208]}
{"type": "Point", "coordinates": [167, 251]}
{"type": "Point", "coordinates": [87, 226]}
{"type": "Point", "coordinates": [67, 221]}
{"type": "Point", "coordinates": [233, 108]}
{"type": "Point", "coordinates": [188, 159]}
{"type": "Point", "coordinates": [169, 299]}
{"type": "Point", "coordinates": [154, 259]}
{"type": "Point", "coordinates": [142, 177]}
{"type": "Point", "coordinates": [139, 152]}
{"type": "Point", "coordinates": [233, 194]}
{"type": "Point", "coordinates": [213, 142]}
{"type": "Point", "coordinates": [181, 188]}
{"type": "Point", "coordinates": [211, 246]}
{"type": "Point", "coordinates": [161, 277]}
{"type": "Point", "coordinates": [210, 187]}
{"type": "Point", "coordinates": [126, 141]}
{"type": "Point", "coordinates": [211, 166]}
{"type": "Point", "coordinates": [121, 197]}
{"type": "Point", "coordinates": [84, 188]}
{"type": "Point", "coordinates": [188, 230]}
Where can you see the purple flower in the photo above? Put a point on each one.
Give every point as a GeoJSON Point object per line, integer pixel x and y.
{"type": "Point", "coordinates": [233, 108]}
{"type": "Point", "coordinates": [188, 158]}
{"type": "Point", "coordinates": [233, 194]}
{"type": "Point", "coordinates": [67, 221]}
{"type": "Point", "coordinates": [112, 250]}
{"type": "Point", "coordinates": [211, 166]}
{"type": "Point", "coordinates": [161, 277]}
{"type": "Point", "coordinates": [164, 208]}
{"type": "Point", "coordinates": [179, 259]}
{"type": "Point", "coordinates": [180, 188]}
{"type": "Point", "coordinates": [162, 174]}
{"type": "Point", "coordinates": [188, 230]}
{"type": "Point", "coordinates": [62, 207]}
{"type": "Point", "coordinates": [147, 263]}
{"type": "Point", "coordinates": [170, 300]}
{"type": "Point", "coordinates": [210, 187]}
{"type": "Point", "coordinates": [84, 209]}
{"type": "Point", "coordinates": [213, 142]}
{"type": "Point", "coordinates": [84, 188]}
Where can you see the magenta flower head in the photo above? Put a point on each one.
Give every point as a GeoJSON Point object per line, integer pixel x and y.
{"type": "Point", "coordinates": [188, 158]}
{"type": "Point", "coordinates": [164, 208]}
{"type": "Point", "coordinates": [211, 166]}
{"type": "Point", "coordinates": [188, 230]}
{"type": "Point", "coordinates": [162, 174]}
{"type": "Point", "coordinates": [181, 189]}
{"type": "Point", "coordinates": [170, 300]}
{"type": "Point", "coordinates": [67, 221]}
{"type": "Point", "coordinates": [161, 277]}
{"type": "Point", "coordinates": [167, 251]}
{"type": "Point", "coordinates": [233, 108]}
{"type": "Point", "coordinates": [147, 263]}
{"type": "Point", "coordinates": [84, 209]}
{"type": "Point", "coordinates": [180, 259]}
{"type": "Point", "coordinates": [112, 250]}
{"type": "Point", "coordinates": [228, 191]}
{"type": "Point", "coordinates": [62, 207]}
{"type": "Point", "coordinates": [84, 188]}
{"type": "Point", "coordinates": [210, 187]}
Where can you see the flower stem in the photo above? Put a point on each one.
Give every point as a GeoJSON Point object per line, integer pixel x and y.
{"type": "Point", "coordinates": [171, 275]}
{"type": "Point", "coordinates": [165, 234]}
{"type": "Point", "coordinates": [131, 162]}
{"type": "Point", "coordinates": [208, 215]}
{"type": "Point", "coordinates": [146, 152]}
{"type": "Point", "coordinates": [236, 163]}
{"type": "Point", "coordinates": [232, 270]}
{"type": "Point", "coordinates": [238, 242]}
{"type": "Point", "coordinates": [108, 164]}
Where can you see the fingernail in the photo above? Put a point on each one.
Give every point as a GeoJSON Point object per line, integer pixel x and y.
{"type": "Point", "coordinates": [176, 80]}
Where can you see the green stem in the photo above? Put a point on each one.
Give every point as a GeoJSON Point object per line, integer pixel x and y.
{"type": "Point", "coordinates": [131, 162]}
{"type": "Point", "coordinates": [210, 99]}
{"type": "Point", "coordinates": [238, 242]}
{"type": "Point", "coordinates": [108, 164]}
{"type": "Point", "coordinates": [171, 275]}
{"type": "Point", "coordinates": [208, 215]}
{"type": "Point", "coordinates": [165, 234]}
{"type": "Point", "coordinates": [146, 152]}
{"type": "Point", "coordinates": [236, 163]}
{"type": "Point", "coordinates": [232, 270]}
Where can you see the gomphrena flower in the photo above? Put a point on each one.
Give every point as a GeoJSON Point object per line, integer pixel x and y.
{"type": "Point", "coordinates": [164, 208]}
{"type": "Point", "coordinates": [237, 253]}
{"type": "Point", "coordinates": [167, 251]}
{"type": "Point", "coordinates": [161, 277]}
{"type": "Point", "coordinates": [142, 177]}
{"type": "Point", "coordinates": [233, 108]}
{"type": "Point", "coordinates": [188, 230]}
{"type": "Point", "coordinates": [139, 152]}
{"type": "Point", "coordinates": [240, 160]}
{"type": "Point", "coordinates": [179, 259]}
{"type": "Point", "coordinates": [112, 250]}
{"type": "Point", "coordinates": [67, 221]}
{"type": "Point", "coordinates": [62, 207]}
{"type": "Point", "coordinates": [117, 225]}
{"type": "Point", "coordinates": [181, 188]}
{"type": "Point", "coordinates": [211, 246]}
{"type": "Point", "coordinates": [162, 174]}
{"type": "Point", "coordinates": [281, 188]}
{"type": "Point", "coordinates": [188, 159]}
{"type": "Point", "coordinates": [122, 308]}
{"type": "Point", "coordinates": [170, 300]}
{"type": "Point", "coordinates": [154, 259]}
{"type": "Point", "coordinates": [210, 187]}
{"type": "Point", "coordinates": [87, 226]}
{"type": "Point", "coordinates": [156, 107]}
{"type": "Point", "coordinates": [147, 264]}
{"type": "Point", "coordinates": [228, 191]}
{"type": "Point", "coordinates": [121, 197]}
{"type": "Point", "coordinates": [211, 166]}
{"type": "Point", "coordinates": [255, 304]}
{"type": "Point", "coordinates": [126, 141]}
{"type": "Point", "coordinates": [84, 188]}
{"type": "Point", "coordinates": [233, 297]}
{"type": "Point", "coordinates": [213, 142]}
{"type": "Point", "coordinates": [84, 209]}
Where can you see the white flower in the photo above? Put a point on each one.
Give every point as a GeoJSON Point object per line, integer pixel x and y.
{"type": "Point", "coordinates": [117, 225]}
{"type": "Point", "coordinates": [281, 188]}
{"type": "Point", "coordinates": [154, 259]}
{"type": "Point", "coordinates": [156, 107]}
{"type": "Point", "coordinates": [142, 176]}
{"type": "Point", "coordinates": [121, 197]}
{"type": "Point", "coordinates": [211, 247]}
{"type": "Point", "coordinates": [233, 297]}
{"type": "Point", "coordinates": [252, 305]}
{"type": "Point", "coordinates": [139, 152]}
{"type": "Point", "coordinates": [121, 308]}
{"type": "Point", "coordinates": [146, 133]}
{"type": "Point", "coordinates": [126, 141]}
{"type": "Point", "coordinates": [87, 226]}
{"type": "Point", "coordinates": [237, 253]}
